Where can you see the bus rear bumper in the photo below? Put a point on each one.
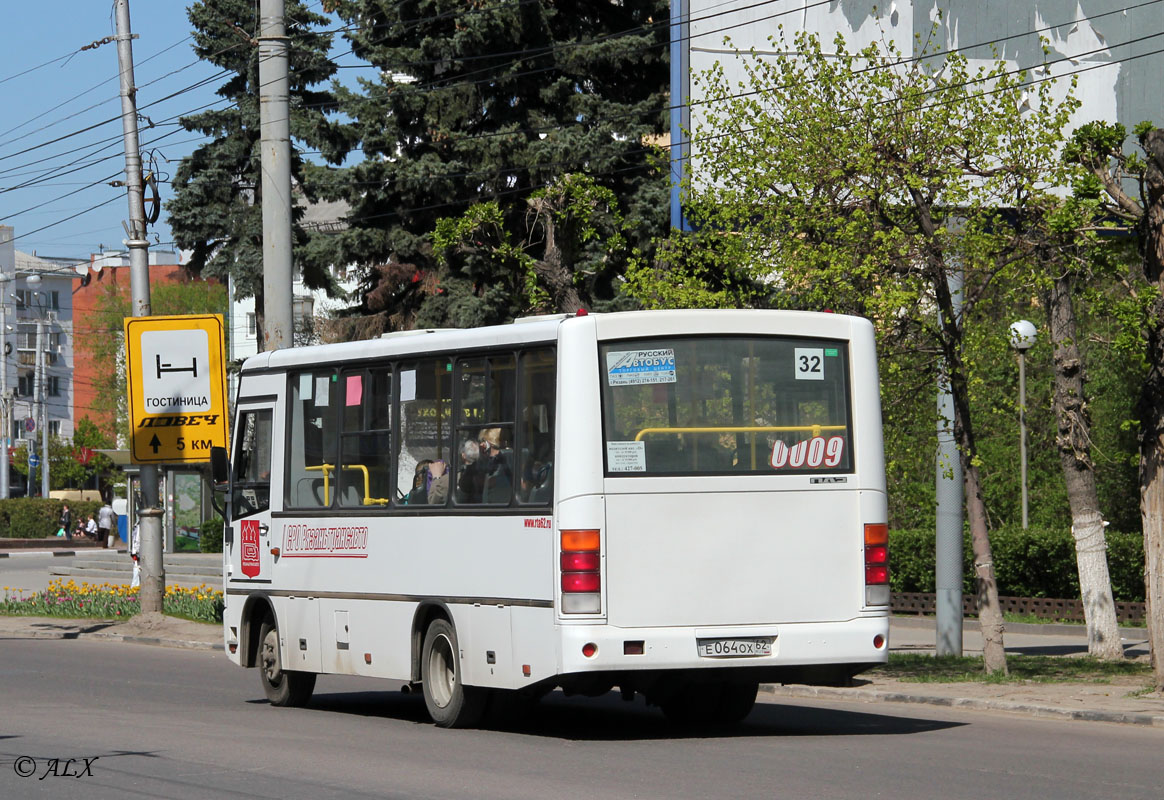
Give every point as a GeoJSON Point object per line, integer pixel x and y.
{"type": "Point", "coordinates": [798, 650]}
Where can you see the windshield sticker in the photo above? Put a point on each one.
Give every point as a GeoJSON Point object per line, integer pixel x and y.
{"type": "Point", "coordinates": [637, 367]}
{"type": "Point", "coordinates": [626, 456]}
{"type": "Point", "coordinates": [809, 363]}
{"type": "Point", "coordinates": [811, 453]}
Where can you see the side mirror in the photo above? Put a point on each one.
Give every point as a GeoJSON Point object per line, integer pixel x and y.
{"type": "Point", "coordinates": [219, 468]}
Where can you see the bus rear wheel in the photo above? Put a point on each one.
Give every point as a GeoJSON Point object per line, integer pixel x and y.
{"type": "Point", "coordinates": [450, 703]}
{"type": "Point", "coordinates": [722, 703]}
{"type": "Point", "coordinates": [282, 687]}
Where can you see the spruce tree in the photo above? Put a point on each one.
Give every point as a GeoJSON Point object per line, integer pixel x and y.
{"type": "Point", "coordinates": [477, 107]}
{"type": "Point", "coordinates": [216, 211]}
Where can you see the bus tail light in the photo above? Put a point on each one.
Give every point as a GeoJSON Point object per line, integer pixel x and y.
{"type": "Point", "coordinates": [876, 564]}
{"type": "Point", "coordinates": [581, 561]}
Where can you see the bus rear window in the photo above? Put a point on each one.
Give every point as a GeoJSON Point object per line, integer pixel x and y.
{"type": "Point", "coordinates": [709, 405]}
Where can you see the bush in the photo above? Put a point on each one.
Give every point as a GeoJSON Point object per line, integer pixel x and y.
{"type": "Point", "coordinates": [38, 517]}
{"type": "Point", "coordinates": [1038, 562]}
{"type": "Point", "coordinates": [210, 535]}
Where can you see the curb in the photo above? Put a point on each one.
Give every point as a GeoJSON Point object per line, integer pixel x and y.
{"type": "Point", "coordinates": [157, 641]}
{"type": "Point", "coordinates": [968, 703]}
{"type": "Point", "coordinates": [54, 553]}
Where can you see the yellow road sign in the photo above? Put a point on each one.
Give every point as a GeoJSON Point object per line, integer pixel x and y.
{"type": "Point", "coordinates": [177, 387]}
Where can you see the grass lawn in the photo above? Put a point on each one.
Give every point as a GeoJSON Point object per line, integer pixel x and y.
{"type": "Point", "coordinates": [922, 668]}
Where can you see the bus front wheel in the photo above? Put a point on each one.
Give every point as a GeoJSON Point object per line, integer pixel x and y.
{"type": "Point", "coordinates": [282, 687]}
{"type": "Point", "coordinates": [450, 703]}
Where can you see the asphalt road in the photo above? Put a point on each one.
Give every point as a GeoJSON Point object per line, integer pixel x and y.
{"type": "Point", "coordinates": [163, 723]}
{"type": "Point", "coordinates": [28, 572]}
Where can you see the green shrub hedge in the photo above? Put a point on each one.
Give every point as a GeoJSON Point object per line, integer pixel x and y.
{"type": "Point", "coordinates": [210, 535]}
{"type": "Point", "coordinates": [1038, 562]}
{"type": "Point", "coordinates": [37, 517]}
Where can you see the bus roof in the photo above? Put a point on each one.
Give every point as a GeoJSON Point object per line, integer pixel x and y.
{"type": "Point", "coordinates": [535, 330]}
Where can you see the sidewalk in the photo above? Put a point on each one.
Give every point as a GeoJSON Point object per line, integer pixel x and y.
{"type": "Point", "coordinates": [1118, 701]}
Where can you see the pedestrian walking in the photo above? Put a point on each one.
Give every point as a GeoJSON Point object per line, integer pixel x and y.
{"type": "Point", "coordinates": [67, 522]}
{"type": "Point", "coordinates": [106, 524]}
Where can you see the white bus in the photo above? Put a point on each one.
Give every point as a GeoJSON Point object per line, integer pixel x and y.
{"type": "Point", "coordinates": [681, 504]}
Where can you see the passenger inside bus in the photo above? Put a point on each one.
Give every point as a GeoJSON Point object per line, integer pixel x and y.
{"type": "Point", "coordinates": [430, 484]}
{"type": "Point", "coordinates": [487, 474]}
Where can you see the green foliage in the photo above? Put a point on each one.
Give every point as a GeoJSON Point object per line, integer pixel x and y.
{"type": "Point", "coordinates": [216, 211]}
{"type": "Point", "coordinates": [1038, 562]}
{"type": "Point", "coordinates": [507, 118]}
{"type": "Point", "coordinates": [210, 535]}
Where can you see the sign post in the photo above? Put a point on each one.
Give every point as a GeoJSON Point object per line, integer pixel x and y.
{"type": "Point", "coordinates": [177, 388]}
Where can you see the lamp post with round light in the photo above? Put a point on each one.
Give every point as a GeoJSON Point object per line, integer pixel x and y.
{"type": "Point", "coordinates": [1022, 338]}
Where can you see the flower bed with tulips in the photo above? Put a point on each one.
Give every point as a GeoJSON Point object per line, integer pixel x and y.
{"type": "Point", "coordinates": [110, 601]}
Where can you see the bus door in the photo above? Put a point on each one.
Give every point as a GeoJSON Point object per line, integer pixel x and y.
{"type": "Point", "coordinates": [249, 553]}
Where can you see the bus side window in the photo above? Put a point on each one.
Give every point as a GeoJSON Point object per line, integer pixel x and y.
{"type": "Point", "coordinates": [536, 427]}
{"type": "Point", "coordinates": [312, 441]}
{"type": "Point", "coordinates": [426, 413]}
{"type": "Point", "coordinates": [487, 401]}
{"type": "Point", "coordinates": [252, 464]}
{"type": "Point", "coordinates": [362, 478]}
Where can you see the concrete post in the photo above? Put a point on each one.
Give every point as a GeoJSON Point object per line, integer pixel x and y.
{"type": "Point", "coordinates": [950, 493]}
{"type": "Point", "coordinates": [153, 576]}
{"type": "Point", "coordinates": [275, 123]}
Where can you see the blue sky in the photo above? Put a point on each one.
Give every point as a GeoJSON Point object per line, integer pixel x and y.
{"type": "Point", "coordinates": [70, 94]}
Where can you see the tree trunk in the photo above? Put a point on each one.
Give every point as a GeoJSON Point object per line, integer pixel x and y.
{"type": "Point", "coordinates": [1151, 405]}
{"type": "Point", "coordinates": [989, 609]}
{"type": "Point", "coordinates": [556, 277]}
{"type": "Point", "coordinates": [1074, 444]}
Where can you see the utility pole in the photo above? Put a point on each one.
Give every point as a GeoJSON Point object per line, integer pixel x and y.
{"type": "Point", "coordinates": [275, 145]}
{"type": "Point", "coordinates": [44, 432]}
{"type": "Point", "coordinates": [950, 494]}
{"type": "Point", "coordinates": [153, 581]}
{"type": "Point", "coordinates": [38, 394]}
{"type": "Point", "coordinates": [5, 398]}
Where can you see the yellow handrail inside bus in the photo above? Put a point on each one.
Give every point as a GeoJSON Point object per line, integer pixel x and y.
{"type": "Point", "coordinates": [815, 429]}
{"type": "Point", "coordinates": [327, 469]}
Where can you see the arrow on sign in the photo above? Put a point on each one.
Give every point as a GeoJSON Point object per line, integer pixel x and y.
{"type": "Point", "coordinates": [155, 443]}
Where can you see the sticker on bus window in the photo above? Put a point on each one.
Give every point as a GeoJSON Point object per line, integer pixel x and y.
{"type": "Point", "coordinates": [407, 385]}
{"type": "Point", "coordinates": [811, 453]}
{"type": "Point", "coordinates": [809, 363]}
{"type": "Point", "coordinates": [639, 367]}
{"type": "Point", "coordinates": [626, 456]}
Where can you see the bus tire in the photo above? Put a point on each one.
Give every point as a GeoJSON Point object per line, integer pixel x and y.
{"type": "Point", "coordinates": [450, 703]}
{"type": "Point", "coordinates": [722, 703]}
{"type": "Point", "coordinates": [282, 687]}
{"type": "Point", "coordinates": [736, 701]}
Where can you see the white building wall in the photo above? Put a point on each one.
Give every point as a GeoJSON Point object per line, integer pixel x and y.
{"type": "Point", "coordinates": [1105, 46]}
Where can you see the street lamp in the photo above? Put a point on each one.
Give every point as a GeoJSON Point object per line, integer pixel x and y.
{"type": "Point", "coordinates": [1022, 338]}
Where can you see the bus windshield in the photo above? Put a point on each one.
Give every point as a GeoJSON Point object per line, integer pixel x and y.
{"type": "Point", "coordinates": [709, 405]}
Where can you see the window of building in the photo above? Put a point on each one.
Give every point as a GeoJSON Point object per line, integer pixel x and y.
{"type": "Point", "coordinates": [54, 427]}
{"type": "Point", "coordinates": [52, 386]}
{"type": "Point", "coordinates": [252, 325]}
{"type": "Point", "coordinates": [25, 385]}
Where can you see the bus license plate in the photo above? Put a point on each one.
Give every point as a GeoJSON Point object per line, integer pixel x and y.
{"type": "Point", "coordinates": [733, 648]}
